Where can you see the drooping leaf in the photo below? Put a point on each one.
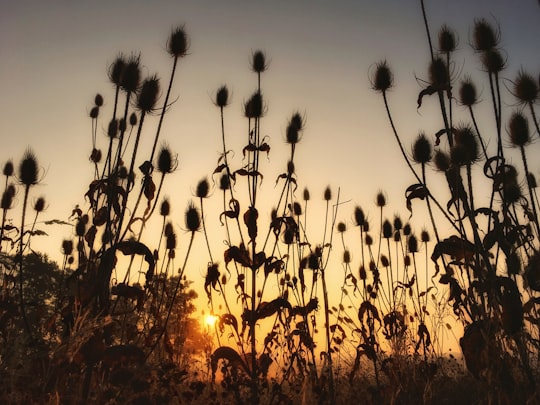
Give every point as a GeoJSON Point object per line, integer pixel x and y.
{"type": "Point", "coordinates": [229, 354]}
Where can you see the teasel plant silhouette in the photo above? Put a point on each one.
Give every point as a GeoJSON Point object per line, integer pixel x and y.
{"type": "Point", "coordinates": [487, 262]}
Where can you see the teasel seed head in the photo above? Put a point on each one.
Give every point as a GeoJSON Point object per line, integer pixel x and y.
{"type": "Point", "coordinates": [297, 209]}
{"type": "Point", "coordinates": [359, 216]}
{"type": "Point", "coordinates": [148, 94]}
{"type": "Point", "coordinates": [447, 39]}
{"type": "Point", "coordinates": [493, 61]}
{"type": "Point", "coordinates": [202, 188]}
{"type": "Point", "coordinates": [422, 150]}
{"type": "Point", "coordinates": [369, 240]}
{"type": "Point", "coordinates": [362, 273]}
{"type": "Point", "coordinates": [67, 247]}
{"type": "Point", "coordinates": [313, 261]}
{"type": "Point", "coordinates": [94, 112]}
{"type": "Point", "coordinates": [131, 76]}
{"type": "Point", "coordinates": [407, 261]}
{"type": "Point", "coordinates": [467, 93]}
{"type": "Point", "coordinates": [254, 107]}
{"type": "Point", "coordinates": [122, 125]}
{"type": "Point", "coordinates": [28, 169]}
{"type": "Point", "coordinates": [346, 256]}
{"type": "Point", "coordinates": [385, 262]}
{"type": "Point", "coordinates": [80, 226]}
{"type": "Point", "coordinates": [168, 229]}
{"type": "Point", "coordinates": [525, 88]}
{"type": "Point", "coordinates": [167, 162]}
{"type": "Point", "coordinates": [531, 180]}
{"type": "Point", "coordinates": [258, 61]}
{"type": "Point", "coordinates": [178, 42]}
{"type": "Point", "coordinates": [8, 168]}
{"type": "Point", "coordinates": [424, 236]}
{"type": "Point", "coordinates": [518, 129]}
{"type": "Point", "coordinates": [485, 37]}
{"type": "Point", "coordinates": [192, 218]}
{"type": "Point", "coordinates": [171, 241]}
{"type": "Point", "coordinates": [407, 229]}
{"type": "Point", "coordinates": [222, 97]}
{"type": "Point", "coordinates": [133, 119]}
{"type": "Point", "coordinates": [442, 161]}
{"type": "Point", "coordinates": [295, 126]}
{"type": "Point", "coordinates": [305, 194]}
{"type": "Point", "coordinates": [39, 204]}
{"type": "Point", "coordinates": [398, 224]}
{"type": "Point", "coordinates": [7, 199]}
{"type": "Point", "coordinates": [165, 208]}
{"type": "Point", "coordinates": [365, 227]}
{"type": "Point", "coordinates": [438, 73]}
{"type": "Point", "coordinates": [412, 244]}
{"type": "Point", "coordinates": [465, 150]}
{"type": "Point", "coordinates": [387, 229]}
{"type": "Point", "coordinates": [116, 70]}
{"type": "Point", "coordinates": [341, 227]}
{"type": "Point", "coordinates": [397, 236]}
{"type": "Point", "coordinates": [224, 182]}
{"type": "Point", "coordinates": [327, 193]}
{"type": "Point", "coordinates": [112, 129]}
{"type": "Point", "coordinates": [383, 79]}
{"type": "Point", "coordinates": [380, 199]}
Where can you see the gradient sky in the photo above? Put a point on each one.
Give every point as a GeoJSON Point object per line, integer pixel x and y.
{"type": "Point", "coordinates": [55, 55]}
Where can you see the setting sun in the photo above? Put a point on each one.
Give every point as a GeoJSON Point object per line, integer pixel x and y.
{"type": "Point", "coordinates": [210, 320]}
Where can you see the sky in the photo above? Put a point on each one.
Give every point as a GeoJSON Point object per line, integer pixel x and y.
{"type": "Point", "coordinates": [55, 55]}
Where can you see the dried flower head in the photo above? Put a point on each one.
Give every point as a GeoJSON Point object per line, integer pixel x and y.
{"type": "Point", "coordinates": [485, 37]}
{"type": "Point", "coordinates": [383, 78]}
{"type": "Point", "coordinates": [362, 273]}
{"type": "Point", "coordinates": [7, 199]}
{"type": "Point", "coordinates": [67, 247]}
{"type": "Point", "coordinates": [39, 204]}
{"type": "Point", "coordinates": [531, 180]}
{"type": "Point", "coordinates": [122, 125]}
{"type": "Point", "coordinates": [407, 229]}
{"type": "Point", "coordinates": [346, 256]}
{"type": "Point", "coordinates": [222, 97]}
{"type": "Point", "coordinates": [493, 61]}
{"type": "Point", "coordinates": [441, 160]}
{"type": "Point", "coordinates": [422, 150]}
{"type": "Point", "coordinates": [167, 162]}
{"type": "Point", "coordinates": [254, 107]}
{"type": "Point", "coordinates": [518, 128]}
{"type": "Point", "coordinates": [297, 208]}
{"type": "Point", "coordinates": [112, 129]}
{"type": "Point", "coordinates": [467, 92]}
{"type": "Point", "coordinates": [525, 88]}
{"type": "Point", "coordinates": [116, 70]}
{"type": "Point", "coordinates": [224, 182]}
{"type": "Point", "coordinates": [258, 61]}
{"type": "Point", "coordinates": [148, 94]}
{"type": "Point", "coordinates": [424, 236]}
{"type": "Point", "coordinates": [98, 100]}
{"type": "Point", "coordinates": [387, 229]}
{"type": "Point", "coordinates": [438, 73]}
{"type": "Point", "coordinates": [398, 224]}
{"type": "Point", "coordinates": [192, 218]}
{"type": "Point", "coordinates": [327, 193]}
{"type": "Point", "coordinates": [165, 208]}
{"type": "Point", "coordinates": [94, 112]}
{"type": "Point", "coordinates": [28, 169]}
{"type": "Point", "coordinates": [465, 150]}
{"type": "Point", "coordinates": [359, 217]}
{"type": "Point", "coordinates": [380, 199]}
{"type": "Point", "coordinates": [133, 119]}
{"type": "Point", "coordinates": [131, 76]}
{"type": "Point", "coordinates": [8, 168]}
{"type": "Point", "coordinates": [95, 156]}
{"type": "Point", "coordinates": [202, 188]}
{"type": "Point", "coordinates": [295, 126]}
{"type": "Point", "coordinates": [170, 241]}
{"type": "Point", "coordinates": [412, 244]}
{"type": "Point", "coordinates": [385, 262]}
{"type": "Point", "coordinates": [305, 194]}
{"type": "Point", "coordinates": [178, 42]}
{"type": "Point", "coordinates": [447, 39]}
{"type": "Point", "coordinates": [341, 227]}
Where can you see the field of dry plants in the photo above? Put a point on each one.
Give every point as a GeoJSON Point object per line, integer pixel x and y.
{"type": "Point", "coordinates": [115, 321]}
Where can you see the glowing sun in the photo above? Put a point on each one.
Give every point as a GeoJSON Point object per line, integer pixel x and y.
{"type": "Point", "coordinates": [210, 320]}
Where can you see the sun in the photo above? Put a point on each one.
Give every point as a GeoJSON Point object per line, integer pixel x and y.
{"type": "Point", "coordinates": [210, 320]}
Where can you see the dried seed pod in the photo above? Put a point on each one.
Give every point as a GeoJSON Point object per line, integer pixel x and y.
{"type": "Point", "coordinates": [422, 150]}
{"type": "Point", "coordinates": [327, 194]}
{"type": "Point", "coordinates": [165, 208]}
{"type": "Point", "coordinates": [116, 70]}
{"type": "Point", "coordinates": [178, 42]}
{"type": "Point", "coordinates": [131, 75]}
{"type": "Point", "coordinates": [306, 195]}
{"type": "Point", "coordinates": [438, 73]}
{"type": "Point", "coordinates": [254, 107]}
{"type": "Point", "coordinates": [485, 37]}
{"type": "Point", "coordinates": [167, 162]}
{"type": "Point", "coordinates": [467, 92]}
{"type": "Point", "coordinates": [383, 78]}
{"type": "Point", "coordinates": [202, 188]}
{"type": "Point", "coordinates": [39, 204]}
{"type": "Point", "coordinates": [525, 88]}
{"type": "Point", "coordinates": [148, 94]}
{"type": "Point", "coordinates": [341, 227]}
{"type": "Point", "coordinates": [387, 229]}
{"type": "Point", "coordinates": [518, 129]}
{"type": "Point", "coordinates": [359, 216]}
{"type": "Point", "coordinates": [380, 199]}
{"type": "Point", "coordinates": [258, 61]}
{"type": "Point", "coordinates": [67, 247]}
{"type": "Point", "coordinates": [447, 39]}
{"type": "Point", "coordinates": [28, 169]}
{"type": "Point", "coordinates": [412, 244]}
{"type": "Point", "coordinates": [8, 168]}
{"type": "Point", "coordinates": [442, 161]}
{"type": "Point", "coordinates": [224, 182]}
{"type": "Point", "coordinates": [192, 218]}
{"type": "Point", "coordinates": [493, 61]}
{"type": "Point", "coordinates": [222, 97]}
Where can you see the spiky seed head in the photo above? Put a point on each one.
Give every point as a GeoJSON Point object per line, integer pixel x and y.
{"type": "Point", "coordinates": [525, 88]}
{"type": "Point", "coordinates": [397, 236]}
{"type": "Point", "coordinates": [305, 194]}
{"type": "Point", "coordinates": [327, 193]}
{"type": "Point", "coordinates": [165, 208]}
{"type": "Point", "coordinates": [341, 227]}
{"type": "Point", "coordinates": [192, 218]}
{"type": "Point", "coordinates": [387, 229]}
{"type": "Point", "coordinates": [133, 119]}
{"type": "Point", "coordinates": [438, 73]}
{"type": "Point", "coordinates": [116, 70]}
{"type": "Point", "coordinates": [369, 240]}
{"type": "Point", "coordinates": [512, 192]}
{"type": "Point", "coordinates": [465, 150]}
{"type": "Point", "coordinates": [7, 200]}
{"type": "Point", "coordinates": [273, 214]}
{"type": "Point", "coordinates": [493, 61]}
{"type": "Point", "coordinates": [385, 262]}
{"type": "Point", "coordinates": [80, 226]}
{"type": "Point", "coordinates": [171, 241]}
{"type": "Point", "coordinates": [98, 100]}
{"type": "Point", "coordinates": [11, 190]}
{"type": "Point", "coordinates": [131, 76]}
{"type": "Point", "coordinates": [365, 227]}
{"type": "Point", "coordinates": [346, 256]}
{"type": "Point", "coordinates": [39, 205]}
{"type": "Point", "coordinates": [254, 107]}
{"type": "Point", "coordinates": [297, 209]}
{"type": "Point", "coordinates": [295, 126]}
{"type": "Point", "coordinates": [168, 230]}
{"type": "Point", "coordinates": [412, 244]}
{"type": "Point", "coordinates": [313, 261]}
{"type": "Point", "coordinates": [112, 129]}
{"type": "Point", "coordinates": [422, 150]}
{"type": "Point", "coordinates": [148, 94]}
{"type": "Point", "coordinates": [94, 112]}
{"type": "Point", "coordinates": [95, 156]}
{"type": "Point", "coordinates": [407, 229]}
{"type": "Point", "coordinates": [485, 37]}
{"type": "Point", "coordinates": [518, 129]}
{"type": "Point", "coordinates": [222, 97]}
{"type": "Point", "coordinates": [467, 93]}
{"type": "Point", "coordinates": [441, 160]}
{"type": "Point", "coordinates": [531, 180]}
{"type": "Point", "coordinates": [359, 216]}
{"type": "Point", "coordinates": [178, 42]}
{"type": "Point", "coordinates": [122, 125]}
{"type": "Point", "coordinates": [380, 199]}
{"type": "Point", "coordinates": [398, 224]}
{"type": "Point", "coordinates": [258, 61]}
{"type": "Point", "coordinates": [447, 39]}
{"type": "Point", "coordinates": [67, 247]}
{"type": "Point", "coordinates": [383, 79]}
{"type": "Point", "coordinates": [8, 168]}
{"type": "Point", "coordinates": [167, 162]}
{"type": "Point", "coordinates": [424, 236]}
{"type": "Point", "coordinates": [362, 273]}
{"type": "Point", "coordinates": [122, 172]}
{"type": "Point", "coordinates": [202, 188]}
{"type": "Point", "coordinates": [28, 169]}
{"type": "Point", "coordinates": [224, 182]}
